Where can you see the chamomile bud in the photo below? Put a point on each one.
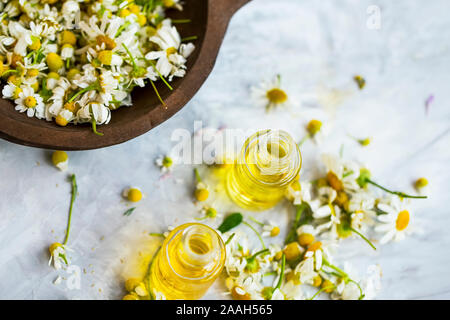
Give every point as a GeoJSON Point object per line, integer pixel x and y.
{"type": "Point", "coordinates": [68, 37]}
{"type": "Point", "coordinates": [421, 183]}
{"type": "Point", "coordinates": [60, 160]}
{"type": "Point", "coordinates": [72, 73]}
{"type": "Point", "coordinates": [54, 62]}
{"type": "Point", "coordinates": [275, 231]}
{"type": "Point", "coordinates": [133, 194]}
{"type": "Point", "coordinates": [305, 239]}
{"type": "Point", "coordinates": [364, 142]}
{"type": "Point", "coordinates": [292, 251]}
{"type": "Point", "coordinates": [201, 194]}
{"type": "Point", "coordinates": [314, 127]}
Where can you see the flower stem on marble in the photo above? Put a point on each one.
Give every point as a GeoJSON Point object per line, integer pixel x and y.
{"type": "Point", "coordinates": [72, 200]}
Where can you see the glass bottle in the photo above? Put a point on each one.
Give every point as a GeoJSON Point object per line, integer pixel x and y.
{"type": "Point", "coordinates": [269, 161]}
{"type": "Point", "coordinates": [189, 261]}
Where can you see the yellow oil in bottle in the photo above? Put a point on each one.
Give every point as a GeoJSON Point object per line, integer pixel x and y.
{"type": "Point", "coordinates": [189, 261]}
{"type": "Point", "coordinates": [269, 161]}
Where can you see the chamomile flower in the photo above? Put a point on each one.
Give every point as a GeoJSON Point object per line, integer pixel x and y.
{"type": "Point", "coordinates": [58, 256]}
{"type": "Point", "coordinates": [172, 56]}
{"type": "Point", "coordinates": [270, 230]}
{"type": "Point", "coordinates": [30, 103]}
{"type": "Point", "coordinates": [209, 212]}
{"type": "Point", "coordinates": [270, 94]}
{"type": "Point", "coordinates": [341, 175]}
{"type": "Point", "coordinates": [394, 220]}
{"type": "Point", "coordinates": [11, 91]}
{"type": "Point", "coordinates": [60, 160]}
{"type": "Point", "coordinates": [165, 163]}
{"type": "Point", "coordinates": [297, 192]}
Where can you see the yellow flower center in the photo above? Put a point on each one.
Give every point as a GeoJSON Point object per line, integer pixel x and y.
{"type": "Point", "coordinates": [54, 246]}
{"type": "Point", "coordinates": [305, 239]}
{"type": "Point", "coordinates": [32, 72]}
{"type": "Point", "coordinates": [17, 91]}
{"type": "Point", "coordinates": [313, 127]}
{"type": "Point", "coordinates": [54, 62]}
{"type": "Point", "coordinates": [134, 195]}
{"type": "Point", "coordinates": [402, 220]}
{"type": "Point", "coordinates": [61, 121]}
{"type": "Point", "coordinates": [421, 183]}
{"type": "Point", "coordinates": [201, 194]}
{"type": "Point", "coordinates": [334, 181]}
{"type": "Point", "coordinates": [109, 43]}
{"type": "Point", "coordinates": [171, 50]}
{"type": "Point", "coordinates": [68, 37]}
{"type": "Point", "coordinates": [276, 96]}
{"type": "Point", "coordinates": [274, 232]}
{"type": "Point", "coordinates": [30, 102]}
{"type": "Point", "coordinates": [105, 57]}
{"type": "Point", "coordinates": [59, 157]}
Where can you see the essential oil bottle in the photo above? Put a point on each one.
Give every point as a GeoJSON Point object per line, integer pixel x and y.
{"type": "Point", "coordinates": [269, 161]}
{"type": "Point", "coordinates": [189, 261]}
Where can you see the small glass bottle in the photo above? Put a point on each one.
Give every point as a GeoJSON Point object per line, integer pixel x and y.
{"type": "Point", "coordinates": [189, 261]}
{"type": "Point", "coordinates": [269, 161]}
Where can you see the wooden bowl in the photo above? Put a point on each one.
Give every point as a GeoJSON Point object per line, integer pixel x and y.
{"type": "Point", "coordinates": [209, 20]}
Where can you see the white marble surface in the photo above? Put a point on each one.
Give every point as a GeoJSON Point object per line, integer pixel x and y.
{"type": "Point", "coordinates": [317, 46]}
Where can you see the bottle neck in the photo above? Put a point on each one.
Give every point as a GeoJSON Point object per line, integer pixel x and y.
{"type": "Point", "coordinates": [198, 252]}
{"type": "Point", "coordinates": [272, 157]}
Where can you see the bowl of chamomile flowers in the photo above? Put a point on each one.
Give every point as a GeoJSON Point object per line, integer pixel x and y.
{"type": "Point", "coordinates": [79, 75]}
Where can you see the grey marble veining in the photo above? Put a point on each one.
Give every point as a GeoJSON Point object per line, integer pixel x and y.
{"type": "Point", "coordinates": [317, 47]}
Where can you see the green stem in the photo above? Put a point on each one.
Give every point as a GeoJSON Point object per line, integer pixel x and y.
{"type": "Point", "coordinates": [338, 270]}
{"type": "Point", "coordinates": [88, 88]}
{"type": "Point", "coordinates": [283, 265]}
{"type": "Point", "coordinates": [256, 221]}
{"type": "Point", "coordinates": [94, 127]}
{"type": "Point", "coordinates": [304, 140]}
{"type": "Point", "coordinates": [398, 193]}
{"type": "Point", "coordinates": [72, 200]}
{"type": "Point", "coordinates": [320, 291]}
{"type": "Point", "coordinates": [197, 175]}
{"type": "Point", "coordinates": [154, 234]}
{"type": "Point", "coordinates": [361, 293]}
{"type": "Point", "coordinates": [256, 232]}
{"type": "Point", "coordinates": [131, 57]}
{"type": "Point", "coordinates": [9, 71]}
{"type": "Point", "coordinates": [258, 253]}
{"type": "Point", "coordinates": [181, 21]}
{"type": "Point", "coordinates": [157, 93]}
{"type": "Point", "coordinates": [160, 75]}
{"type": "Point", "coordinates": [189, 38]}
{"type": "Point", "coordinates": [363, 237]}
{"type": "Point", "coordinates": [230, 238]}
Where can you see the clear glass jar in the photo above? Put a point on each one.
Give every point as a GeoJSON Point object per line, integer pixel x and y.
{"type": "Point", "coordinates": [189, 261]}
{"type": "Point", "coordinates": [269, 161]}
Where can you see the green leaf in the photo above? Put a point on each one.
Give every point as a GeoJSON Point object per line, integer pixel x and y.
{"type": "Point", "coordinates": [303, 216]}
{"type": "Point", "coordinates": [129, 211]}
{"type": "Point", "coordinates": [230, 222]}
